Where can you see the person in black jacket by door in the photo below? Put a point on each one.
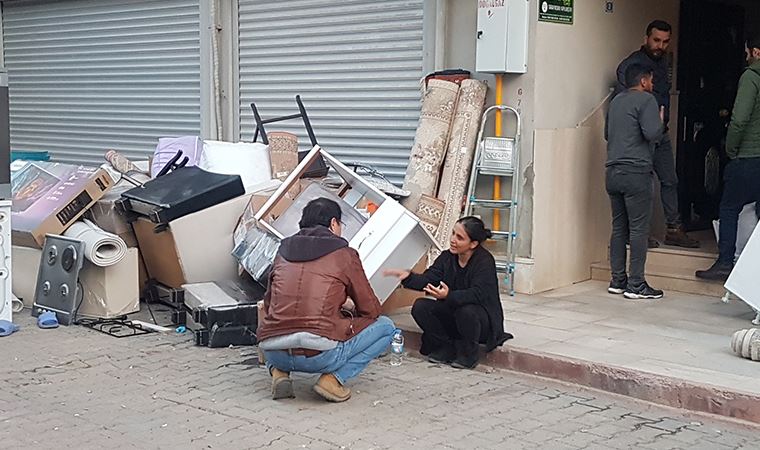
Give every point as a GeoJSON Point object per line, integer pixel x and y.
{"type": "Point", "coordinates": [465, 310]}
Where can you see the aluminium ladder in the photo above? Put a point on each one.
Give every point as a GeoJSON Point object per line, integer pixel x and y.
{"type": "Point", "coordinates": [498, 157]}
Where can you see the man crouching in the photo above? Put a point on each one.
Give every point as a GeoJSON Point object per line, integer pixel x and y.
{"type": "Point", "coordinates": [306, 327]}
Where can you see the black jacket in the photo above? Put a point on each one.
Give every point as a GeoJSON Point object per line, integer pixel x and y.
{"type": "Point", "coordinates": [662, 78]}
{"type": "Point", "coordinates": [476, 283]}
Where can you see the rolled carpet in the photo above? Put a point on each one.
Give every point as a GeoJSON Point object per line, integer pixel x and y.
{"type": "Point", "coordinates": [430, 141]}
{"type": "Point", "coordinates": [100, 247]}
{"type": "Point", "coordinates": [460, 151]}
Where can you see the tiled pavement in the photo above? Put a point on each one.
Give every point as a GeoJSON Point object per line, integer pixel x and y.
{"type": "Point", "coordinates": [72, 387]}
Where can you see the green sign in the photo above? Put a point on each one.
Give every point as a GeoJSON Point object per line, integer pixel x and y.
{"type": "Point", "coordinates": [556, 11]}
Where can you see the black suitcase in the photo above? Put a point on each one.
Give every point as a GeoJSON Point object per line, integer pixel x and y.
{"type": "Point", "coordinates": [179, 193]}
{"type": "Point", "coordinates": [223, 313]}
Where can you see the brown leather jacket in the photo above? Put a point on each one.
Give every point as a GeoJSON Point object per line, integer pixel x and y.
{"type": "Point", "coordinates": [313, 274]}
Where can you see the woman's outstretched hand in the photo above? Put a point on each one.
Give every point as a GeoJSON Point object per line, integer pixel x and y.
{"type": "Point", "coordinates": [440, 292]}
{"type": "Point", "coordinates": [398, 273]}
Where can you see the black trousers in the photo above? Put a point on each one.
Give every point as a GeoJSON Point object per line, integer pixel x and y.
{"type": "Point", "coordinates": [464, 327]}
{"type": "Point", "coordinates": [631, 204]}
{"type": "Point", "coordinates": [741, 187]}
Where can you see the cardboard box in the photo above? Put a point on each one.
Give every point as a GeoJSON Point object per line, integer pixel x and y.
{"type": "Point", "coordinates": [192, 249]}
{"type": "Point", "coordinates": [111, 291]}
{"type": "Point", "coordinates": [49, 197]}
{"type": "Point", "coordinates": [25, 264]}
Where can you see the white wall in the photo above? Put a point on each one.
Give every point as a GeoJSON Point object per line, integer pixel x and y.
{"type": "Point", "coordinates": [575, 64]}
{"type": "Point", "coordinates": [461, 24]}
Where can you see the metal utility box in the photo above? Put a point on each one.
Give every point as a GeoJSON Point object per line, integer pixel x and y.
{"type": "Point", "coordinates": [502, 36]}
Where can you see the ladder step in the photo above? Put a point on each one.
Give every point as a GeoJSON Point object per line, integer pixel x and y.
{"type": "Point", "coordinates": [495, 172]}
{"type": "Point", "coordinates": [503, 234]}
{"type": "Point", "coordinates": [493, 204]}
{"type": "Point", "coordinates": [502, 266]}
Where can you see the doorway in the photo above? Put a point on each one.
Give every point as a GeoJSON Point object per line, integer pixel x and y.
{"type": "Point", "coordinates": [711, 60]}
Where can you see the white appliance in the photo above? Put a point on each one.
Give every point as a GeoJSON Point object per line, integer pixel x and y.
{"type": "Point", "coordinates": [743, 280]}
{"type": "Point", "coordinates": [392, 237]}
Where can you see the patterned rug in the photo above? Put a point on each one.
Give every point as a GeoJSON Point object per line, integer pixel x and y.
{"type": "Point", "coordinates": [429, 147]}
{"type": "Point", "coordinates": [459, 155]}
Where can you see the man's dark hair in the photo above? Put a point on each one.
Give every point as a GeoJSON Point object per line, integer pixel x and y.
{"type": "Point", "coordinates": [753, 41]}
{"type": "Point", "coordinates": [320, 211]}
{"type": "Point", "coordinates": [658, 25]}
{"type": "Point", "coordinates": [634, 73]}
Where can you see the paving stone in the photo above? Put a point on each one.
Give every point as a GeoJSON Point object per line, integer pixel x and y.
{"type": "Point", "coordinates": [176, 395]}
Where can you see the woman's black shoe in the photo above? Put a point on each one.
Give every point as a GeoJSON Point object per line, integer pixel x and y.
{"type": "Point", "coordinates": [443, 355]}
{"type": "Point", "coordinates": [465, 363]}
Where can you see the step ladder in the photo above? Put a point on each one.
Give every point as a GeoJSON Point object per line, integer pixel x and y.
{"type": "Point", "coordinates": [498, 157]}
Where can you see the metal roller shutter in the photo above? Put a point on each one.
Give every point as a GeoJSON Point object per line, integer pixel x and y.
{"type": "Point", "coordinates": [356, 63]}
{"type": "Point", "coordinates": [88, 75]}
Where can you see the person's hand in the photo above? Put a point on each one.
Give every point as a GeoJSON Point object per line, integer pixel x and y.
{"type": "Point", "coordinates": [398, 273]}
{"type": "Point", "coordinates": [440, 292]}
{"type": "Point", "coordinates": [662, 114]}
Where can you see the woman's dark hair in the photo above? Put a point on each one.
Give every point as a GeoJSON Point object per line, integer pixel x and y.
{"type": "Point", "coordinates": [320, 211]}
{"type": "Point", "coordinates": [475, 228]}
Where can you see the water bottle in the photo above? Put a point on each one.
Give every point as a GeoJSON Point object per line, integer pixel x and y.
{"type": "Point", "coordinates": [397, 348]}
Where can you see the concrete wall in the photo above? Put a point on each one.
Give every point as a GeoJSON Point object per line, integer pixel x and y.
{"type": "Point", "coordinates": [575, 64]}
{"type": "Point", "coordinates": [575, 69]}
{"type": "Point", "coordinates": [571, 70]}
{"type": "Point", "coordinates": [459, 51]}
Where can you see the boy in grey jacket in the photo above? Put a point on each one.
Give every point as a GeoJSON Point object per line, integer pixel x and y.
{"type": "Point", "coordinates": [634, 124]}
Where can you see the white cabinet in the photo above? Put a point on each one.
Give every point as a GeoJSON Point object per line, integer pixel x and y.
{"type": "Point", "coordinates": [743, 281]}
{"type": "Point", "coordinates": [392, 237]}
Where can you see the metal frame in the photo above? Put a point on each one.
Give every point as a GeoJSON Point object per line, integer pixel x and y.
{"type": "Point", "coordinates": [511, 205]}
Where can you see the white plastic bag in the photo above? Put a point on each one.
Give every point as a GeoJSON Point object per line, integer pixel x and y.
{"type": "Point", "coordinates": [747, 223]}
{"type": "Point", "coordinates": [249, 160]}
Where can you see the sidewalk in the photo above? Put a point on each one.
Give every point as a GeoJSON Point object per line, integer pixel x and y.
{"type": "Point", "coordinates": [674, 351]}
{"type": "Point", "coordinates": [76, 388]}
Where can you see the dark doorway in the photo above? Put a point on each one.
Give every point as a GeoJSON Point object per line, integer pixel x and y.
{"type": "Point", "coordinates": [711, 59]}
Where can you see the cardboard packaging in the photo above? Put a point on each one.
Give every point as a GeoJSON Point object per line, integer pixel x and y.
{"type": "Point", "coordinates": [48, 197]}
{"type": "Point", "coordinates": [111, 291]}
{"type": "Point", "coordinates": [195, 248]}
{"type": "Point", "coordinates": [25, 264]}
{"type": "Point", "coordinates": [392, 237]}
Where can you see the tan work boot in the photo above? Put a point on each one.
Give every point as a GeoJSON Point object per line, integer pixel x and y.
{"type": "Point", "coordinates": [282, 385]}
{"type": "Point", "coordinates": [676, 236]}
{"type": "Point", "coordinates": [331, 390]}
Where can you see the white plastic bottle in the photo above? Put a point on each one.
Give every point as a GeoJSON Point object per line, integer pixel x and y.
{"type": "Point", "coordinates": [397, 348]}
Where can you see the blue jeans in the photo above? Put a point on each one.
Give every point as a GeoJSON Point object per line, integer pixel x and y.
{"type": "Point", "coordinates": [346, 360]}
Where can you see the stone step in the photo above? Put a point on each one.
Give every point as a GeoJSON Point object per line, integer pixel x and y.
{"type": "Point", "coordinates": [682, 258]}
{"type": "Point", "coordinates": [668, 278]}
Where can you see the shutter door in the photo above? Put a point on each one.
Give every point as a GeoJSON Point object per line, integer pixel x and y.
{"type": "Point", "coordinates": [356, 64]}
{"type": "Point", "coordinates": [88, 75]}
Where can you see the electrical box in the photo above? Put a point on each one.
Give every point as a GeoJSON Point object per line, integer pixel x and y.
{"type": "Point", "coordinates": [502, 36]}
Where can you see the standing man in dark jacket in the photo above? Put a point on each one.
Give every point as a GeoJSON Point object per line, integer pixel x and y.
{"type": "Point", "coordinates": [652, 54]}
{"type": "Point", "coordinates": [634, 125]}
{"type": "Point", "coordinates": [742, 174]}
{"type": "Point", "coordinates": [306, 327]}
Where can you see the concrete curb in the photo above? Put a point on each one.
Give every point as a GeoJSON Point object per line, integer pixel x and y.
{"type": "Point", "coordinates": [663, 390]}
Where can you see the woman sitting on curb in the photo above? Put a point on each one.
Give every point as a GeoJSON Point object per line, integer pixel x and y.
{"type": "Point", "coordinates": [466, 310]}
